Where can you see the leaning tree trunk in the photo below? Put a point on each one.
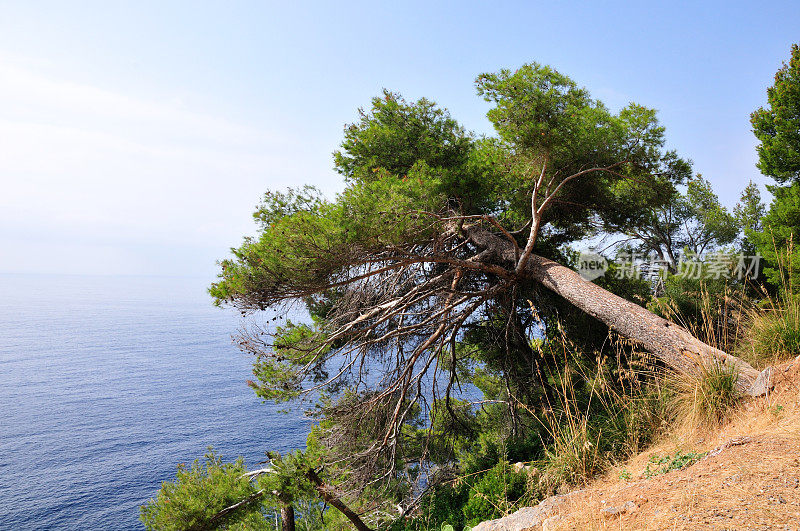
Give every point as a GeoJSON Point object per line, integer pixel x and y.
{"type": "Point", "coordinates": [334, 501]}
{"type": "Point", "coordinates": [671, 343]}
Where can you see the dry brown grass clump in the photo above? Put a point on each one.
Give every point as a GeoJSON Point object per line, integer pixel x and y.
{"type": "Point", "coordinates": [705, 399]}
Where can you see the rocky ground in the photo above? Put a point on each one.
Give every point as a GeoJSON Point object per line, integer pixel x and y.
{"type": "Point", "coordinates": [749, 478]}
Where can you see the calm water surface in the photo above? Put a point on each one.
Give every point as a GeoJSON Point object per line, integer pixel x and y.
{"type": "Point", "coordinates": [106, 383]}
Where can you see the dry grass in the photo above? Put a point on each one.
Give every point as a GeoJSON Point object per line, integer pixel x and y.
{"type": "Point", "coordinates": [705, 399]}
{"type": "Point", "coordinates": [753, 485]}
{"type": "Point", "coordinates": [751, 477]}
{"type": "Point", "coordinates": [613, 423]}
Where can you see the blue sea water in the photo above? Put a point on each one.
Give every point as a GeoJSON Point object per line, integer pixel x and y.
{"type": "Point", "coordinates": [106, 384]}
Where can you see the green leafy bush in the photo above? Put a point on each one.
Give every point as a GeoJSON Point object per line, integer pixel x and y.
{"type": "Point", "coordinates": [669, 463]}
{"type": "Point", "coordinates": [774, 332]}
{"type": "Point", "coordinates": [441, 507]}
{"type": "Point", "coordinates": [496, 493]}
{"type": "Point", "coordinates": [198, 493]}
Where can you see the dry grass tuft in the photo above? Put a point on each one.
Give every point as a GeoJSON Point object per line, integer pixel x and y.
{"type": "Point", "coordinates": [608, 423]}
{"type": "Point", "coordinates": [705, 399]}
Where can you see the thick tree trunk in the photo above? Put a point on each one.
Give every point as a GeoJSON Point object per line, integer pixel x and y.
{"type": "Point", "coordinates": [669, 342]}
{"type": "Point", "coordinates": [672, 344]}
{"type": "Point", "coordinates": [287, 517]}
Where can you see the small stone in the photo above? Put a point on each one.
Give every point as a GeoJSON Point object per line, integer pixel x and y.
{"type": "Point", "coordinates": [522, 467]}
{"type": "Point", "coordinates": [627, 507]}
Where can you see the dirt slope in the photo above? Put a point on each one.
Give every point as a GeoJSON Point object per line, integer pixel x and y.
{"type": "Point", "coordinates": [749, 479]}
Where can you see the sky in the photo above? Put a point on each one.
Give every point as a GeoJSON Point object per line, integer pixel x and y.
{"type": "Point", "coordinates": [136, 138]}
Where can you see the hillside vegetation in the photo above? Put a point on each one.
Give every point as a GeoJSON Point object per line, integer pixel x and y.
{"type": "Point", "coordinates": [744, 474]}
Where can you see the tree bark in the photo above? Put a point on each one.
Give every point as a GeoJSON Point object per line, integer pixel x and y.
{"type": "Point", "coordinates": [287, 517]}
{"type": "Point", "coordinates": [334, 501]}
{"type": "Point", "coordinates": [671, 343]}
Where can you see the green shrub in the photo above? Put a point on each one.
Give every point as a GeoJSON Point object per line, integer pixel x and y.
{"type": "Point", "coordinates": [496, 493]}
{"type": "Point", "coordinates": [442, 506]}
{"type": "Point", "coordinates": [774, 333]}
{"type": "Point", "coordinates": [668, 463]}
{"type": "Point", "coordinates": [198, 493]}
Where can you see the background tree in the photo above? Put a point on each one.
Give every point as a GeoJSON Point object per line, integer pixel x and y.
{"type": "Point", "coordinates": [781, 229]}
{"type": "Point", "coordinates": [749, 214]}
{"type": "Point", "coordinates": [777, 126]}
{"type": "Point", "coordinates": [695, 222]}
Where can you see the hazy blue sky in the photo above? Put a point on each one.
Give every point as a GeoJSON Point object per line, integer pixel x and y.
{"type": "Point", "coordinates": [136, 137]}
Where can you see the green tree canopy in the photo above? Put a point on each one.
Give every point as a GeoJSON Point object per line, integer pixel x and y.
{"type": "Point", "coordinates": [749, 214]}
{"type": "Point", "coordinates": [561, 167]}
{"type": "Point", "coordinates": [431, 264]}
{"type": "Point", "coordinates": [200, 492]}
{"type": "Point", "coordinates": [777, 240]}
{"type": "Point", "coordinates": [694, 221]}
{"type": "Point", "coordinates": [777, 126]}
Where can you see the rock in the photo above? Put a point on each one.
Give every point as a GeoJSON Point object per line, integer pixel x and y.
{"type": "Point", "coordinates": [528, 518]}
{"type": "Point", "coordinates": [522, 467]}
{"type": "Point", "coordinates": [762, 384]}
{"type": "Point", "coordinates": [627, 507]}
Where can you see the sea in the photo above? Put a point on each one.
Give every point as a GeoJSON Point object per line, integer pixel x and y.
{"type": "Point", "coordinates": [107, 384]}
